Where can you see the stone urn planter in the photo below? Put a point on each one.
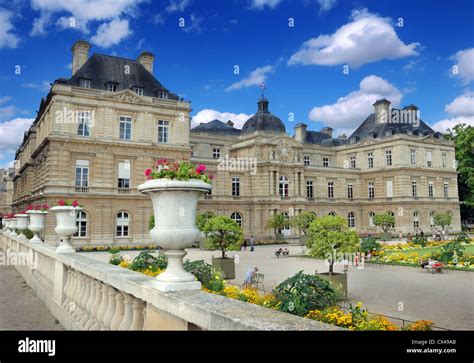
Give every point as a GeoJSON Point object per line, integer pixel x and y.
{"type": "Point", "coordinates": [22, 224]}
{"type": "Point", "coordinates": [174, 207]}
{"type": "Point", "coordinates": [226, 265]}
{"type": "Point", "coordinates": [4, 224]}
{"type": "Point", "coordinates": [37, 222]}
{"type": "Point", "coordinates": [338, 281]}
{"type": "Point", "coordinates": [13, 227]}
{"type": "Point", "coordinates": [6, 230]}
{"type": "Point", "coordinates": [65, 226]}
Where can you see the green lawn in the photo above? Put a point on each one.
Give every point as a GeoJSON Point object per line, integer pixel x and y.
{"type": "Point", "coordinates": [468, 250]}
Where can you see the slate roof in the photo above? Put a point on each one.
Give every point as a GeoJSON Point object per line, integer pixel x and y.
{"type": "Point", "coordinates": [216, 126]}
{"type": "Point", "coordinates": [315, 137]}
{"type": "Point", "coordinates": [263, 120]}
{"type": "Point", "coordinates": [101, 68]}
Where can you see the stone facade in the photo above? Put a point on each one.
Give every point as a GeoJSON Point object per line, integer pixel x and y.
{"type": "Point", "coordinates": [56, 152]}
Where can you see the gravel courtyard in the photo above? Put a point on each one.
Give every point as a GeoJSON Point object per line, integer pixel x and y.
{"type": "Point", "coordinates": [401, 292]}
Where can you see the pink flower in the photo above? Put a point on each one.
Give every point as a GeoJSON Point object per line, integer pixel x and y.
{"type": "Point", "coordinates": [201, 169]}
{"type": "Point", "coordinates": [45, 206]}
{"type": "Point", "coordinates": [30, 207]}
{"type": "Point", "coordinates": [75, 203]}
{"type": "Point", "coordinates": [147, 172]}
{"type": "Point", "coordinates": [61, 203]}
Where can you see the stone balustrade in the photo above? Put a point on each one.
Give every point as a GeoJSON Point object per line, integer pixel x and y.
{"type": "Point", "coordinates": [86, 294]}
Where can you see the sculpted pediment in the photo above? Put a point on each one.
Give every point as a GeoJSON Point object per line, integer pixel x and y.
{"type": "Point", "coordinates": [286, 150]}
{"type": "Point", "coordinates": [127, 96]}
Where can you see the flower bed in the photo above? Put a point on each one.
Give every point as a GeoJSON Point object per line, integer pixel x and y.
{"type": "Point", "coordinates": [101, 248]}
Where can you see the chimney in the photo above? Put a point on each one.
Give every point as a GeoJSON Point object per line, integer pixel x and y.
{"type": "Point", "coordinates": [147, 59]}
{"type": "Point", "coordinates": [327, 131]}
{"type": "Point", "coordinates": [230, 123]}
{"type": "Point", "coordinates": [80, 53]}
{"type": "Point", "coordinates": [300, 132]}
{"type": "Point", "coordinates": [382, 111]}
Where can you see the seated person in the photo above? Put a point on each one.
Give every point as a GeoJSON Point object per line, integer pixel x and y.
{"type": "Point", "coordinates": [423, 263]}
{"type": "Point", "coordinates": [286, 252]}
{"type": "Point", "coordinates": [278, 253]}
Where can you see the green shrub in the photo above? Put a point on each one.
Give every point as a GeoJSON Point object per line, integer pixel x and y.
{"type": "Point", "coordinates": [115, 259]}
{"type": "Point", "coordinates": [455, 246]}
{"type": "Point", "coordinates": [114, 250]}
{"type": "Point", "coordinates": [369, 244]}
{"type": "Point", "coordinates": [151, 222]}
{"type": "Point", "coordinates": [420, 241]}
{"type": "Point", "coordinates": [145, 260]}
{"type": "Point", "coordinates": [302, 293]}
{"type": "Point", "coordinates": [206, 274]}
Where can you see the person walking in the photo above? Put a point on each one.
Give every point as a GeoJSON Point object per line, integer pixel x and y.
{"type": "Point", "coordinates": [252, 243]}
{"type": "Point", "coordinates": [244, 245]}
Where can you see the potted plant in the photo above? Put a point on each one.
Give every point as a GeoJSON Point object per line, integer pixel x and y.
{"type": "Point", "coordinates": [22, 223]}
{"type": "Point", "coordinates": [278, 222]}
{"type": "Point", "coordinates": [384, 221]}
{"type": "Point", "coordinates": [37, 216]}
{"type": "Point", "coordinates": [66, 214]}
{"type": "Point", "coordinates": [223, 234]}
{"type": "Point", "coordinates": [302, 222]}
{"type": "Point", "coordinates": [329, 238]}
{"type": "Point", "coordinates": [174, 189]}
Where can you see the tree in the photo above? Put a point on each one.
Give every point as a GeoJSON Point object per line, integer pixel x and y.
{"type": "Point", "coordinates": [277, 222]}
{"type": "Point", "coordinates": [223, 234]}
{"type": "Point", "coordinates": [369, 244]}
{"type": "Point", "coordinates": [151, 222]}
{"type": "Point", "coordinates": [384, 221]}
{"type": "Point", "coordinates": [442, 219]}
{"type": "Point", "coordinates": [202, 218]}
{"type": "Point", "coordinates": [463, 137]}
{"type": "Point", "coordinates": [330, 235]}
{"type": "Point", "coordinates": [302, 221]}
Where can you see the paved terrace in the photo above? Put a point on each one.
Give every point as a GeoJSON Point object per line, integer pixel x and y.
{"type": "Point", "coordinates": [447, 299]}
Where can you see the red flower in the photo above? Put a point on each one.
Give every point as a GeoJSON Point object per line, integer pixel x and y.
{"type": "Point", "coordinates": [201, 169]}
{"type": "Point", "coordinates": [147, 172]}
{"type": "Point", "coordinates": [30, 207]}
{"type": "Point", "coordinates": [61, 203]}
{"type": "Point", "coordinates": [75, 203]}
{"type": "Point", "coordinates": [45, 206]}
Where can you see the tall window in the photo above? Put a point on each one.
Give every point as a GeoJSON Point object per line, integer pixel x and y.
{"type": "Point", "coordinates": [432, 223]}
{"type": "Point", "coordinates": [388, 157]}
{"type": "Point", "coordinates": [236, 187]}
{"type": "Point", "coordinates": [125, 127]}
{"type": "Point", "coordinates": [446, 189]}
{"type": "Point", "coordinates": [393, 215]}
{"type": "Point", "coordinates": [371, 190]}
{"type": "Point", "coordinates": [331, 190]}
{"type": "Point", "coordinates": [326, 162]}
{"type": "Point", "coordinates": [82, 173]}
{"type": "Point", "coordinates": [287, 221]}
{"type": "Point", "coordinates": [309, 189]}
{"type": "Point", "coordinates": [350, 191]}
{"type": "Point", "coordinates": [216, 153]}
{"type": "Point", "coordinates": [370, 160]}
{"type": "Point", "coordinates": [236, 217]}
{"type": "Point", "coordinates": [371, 219]}
{"type": "Point", "coordinates": [430, 189]}
{"type": "Point", "coordinates": [163, 127]}
{"type": "Point", "coordinates": [414, 189]}
{"type": "Point", "coordinates": [123, 224]}
{"type": "Point", "coordinates": [85, 83]}
{"type": "Point", "coordinates": [81, 224]}
{"type": "Point", "coordinates": [352, 160]}
{"type": "Point", "coordinates": [416, 220]}
{"type": "Point", "coordinates": [83, 123]}
{"type": "Point", "coordinates": [429, 159]}
{"type": "Point", "coordinates": [283, 186]}
{"type": "Point", "coordinates": [444, 160]}
{"type": "Point", "coordinates": [413, 156]}
{"type": "Point", "coordinates": [306, 160]}
{"type": "Point", "coordinates": [351, 221]}
{"type": "Point", "coordinates": [389, 188]}
{"type": "Point", "coordinates": [124, 175]}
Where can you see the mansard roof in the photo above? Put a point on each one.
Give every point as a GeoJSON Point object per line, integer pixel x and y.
{"type": "Point", "coordinates": [101, 69]}
{"type": "Point", "coordinates": [216, 126]}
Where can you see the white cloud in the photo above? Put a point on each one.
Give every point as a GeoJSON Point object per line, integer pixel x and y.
{"type": "Point", "coordinates": [462, 105]}
{"type": "Point", "coordinates": [5, 99]}
{"type": "Point", "coordinates": [326, 5]}
{"type": "Point", "coordinates": [44, 86]}
{"type": "Point", "coordinates": [7, 38]}
{"type": "Point", "coordinates": [255, 78]}
{"type": "Point", "coordinates": [445, 124]}
{"type": "Point", "coordinates": [112, 33]}
{"type": "Point", "coordinates": [11, 133]}
{"type": "Point", "coordinates": [349, 111]}
{"type": "Point", "coordinates": [465, 65]}
{"type": "Point", "coordinates": [367, 38]}
{"type": "Point", "coordinates": [207, 115]}
{"type": "Point", "coordinates": [193, 24]}
{"type": "Point", "coordinates": [39, 24]}
{"type": "Point", "coordinates": [177, 6]}
{"type": "Point", "coordinates": [260, 4]}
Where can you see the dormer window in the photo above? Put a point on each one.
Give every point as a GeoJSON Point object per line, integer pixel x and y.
{"type": "Point", "coordinates": [84, 83]}
{"type": "Point", "coordinates": [163, 95]}
{"type": "Point", "coordinates": [388, 133]}
{"type": "Point", "coordinates": [111, 86]}
{"type": "Point", "coordinates": [138, 90]}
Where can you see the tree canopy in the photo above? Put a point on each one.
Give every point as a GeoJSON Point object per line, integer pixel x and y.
{"type": "Point", "coordinates": [223, 234]}
{"type": "Point", "coordinates": [384, 221]}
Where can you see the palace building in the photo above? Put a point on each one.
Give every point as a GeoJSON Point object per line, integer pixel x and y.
{"type": "Point", "coordinates": [97, 131]}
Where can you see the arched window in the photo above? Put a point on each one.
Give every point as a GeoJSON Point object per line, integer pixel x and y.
{"type": "Point", "coordinates": [287, 219]}
{"type": "Point", "coordinates": [332, 214]}
{"type": "Point", "coordinates": [416, 219]}
{"type": "Point", "coordinates": [351, 220]}
{"type": "Point", "coordinates": [237, 217]}
{"type": "Point", "coordinates": [81, 223]}
{"type": "Point", "coordinates": [123, 224]}
{"type": "Point", "coordinates": [432, 222]}
{"type": "Point", "coordinates": [371, 219]}
{"type": "Point", "coordinates": [393, 215]}
{"type": "Point", "coordinates": [283, 186]}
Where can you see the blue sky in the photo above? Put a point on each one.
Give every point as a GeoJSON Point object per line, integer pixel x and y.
{"type": "Point", "coordinates": [419, 52]}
